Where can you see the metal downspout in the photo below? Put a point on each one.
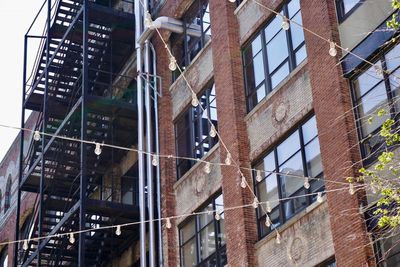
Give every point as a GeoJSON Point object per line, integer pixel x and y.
{"type": "Point", "coordinates": [157, 151]}
{"type": "Point", "coordinates": [138, 31]}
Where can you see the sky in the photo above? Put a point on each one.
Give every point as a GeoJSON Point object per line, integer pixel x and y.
{"type": "Point", "coordinates": [15, 18]}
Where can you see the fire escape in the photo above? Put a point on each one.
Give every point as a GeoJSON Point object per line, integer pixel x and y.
{"type": "Point", "coordinates": [75, 88]}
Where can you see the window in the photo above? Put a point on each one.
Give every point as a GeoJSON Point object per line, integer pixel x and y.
{"type": "Point", "coordinates": [328, 263]}
{"type": "Point", "coordinates": [273, 54]}
{"type": "Point", "coordinates": [298, 154]}
{"type": "Point", "coordinates": [197, 32]}
{"type": "Point", "coordinates": [389, 251]}
{"type": "Point", "coordinates": [192, 131]}
{"type": "Point", "coordinates": [346, 7]}
{"type": "Point", "coordinates": [374, 90]}
{"type": "Point", "coordinates": [7, 194]}
{"type": "Point", "coordinates": [4, 257]}
{"type": "Point", "coordinates": [202, 238]}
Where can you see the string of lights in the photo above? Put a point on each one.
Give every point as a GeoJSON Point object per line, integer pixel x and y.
{"type": "Point", "coordinates": [217, 214]}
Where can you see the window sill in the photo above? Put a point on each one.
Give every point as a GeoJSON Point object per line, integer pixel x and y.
{"type": "Point", "coordinates": [264, 240]}
{"type": "Point", "coordinates": [190, 172]}
{"type": "Point", "coordinates": [262, 103]}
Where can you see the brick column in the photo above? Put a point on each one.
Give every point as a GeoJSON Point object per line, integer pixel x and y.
{"type": "Point", "coordinates": [337, 133]}
{"type": "Point", "coordinates": [167, 147]}
{"type": "Point", "coordinates": [240, 224]}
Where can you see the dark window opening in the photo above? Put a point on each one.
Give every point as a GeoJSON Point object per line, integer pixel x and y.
{"type": "Point", "coordinates": [192, 131]}
{"type": "Point", "coordinates": [202, 238]}
{"type": "Point", "coordinates": [298, 154]}
{"type": "Point", "coordinates": [273, 54]}
{"type": "Point", "coordinates": [186, 46]}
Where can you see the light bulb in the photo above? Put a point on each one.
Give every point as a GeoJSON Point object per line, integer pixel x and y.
{"type": "Point", "coordinates": [285, 23]}
{"type": "Point", "coordinates": [373, 188]}
{"type": "Point", "coordinates": [319, 197]}
{"type": "Point", "coordinates": [168, 224]}
{"type": "Point", "coordinates": [258, 176]}
{"type": "Point", "coordinates": [378, 70]}
{"type": "Point", "coordinates": [97, 149]}
{"type": "Point", "coordinates": [71, 238]}
{"type": "Point", "coordinates": [267, 222]}
{"type": "Point", "coordinates": [36, 136]}
{"type": "Point", "coordinates": [207, 168]}
{"type": "Point", "coordinates": [195, 101]}
{"type": "Point", "coordinates": [269, 209]}
{"type": "Point", "coordinates": [25, 245]}
{"type": "Point", "coordinates": [213, 131]}
{"type": "Point", "coordinates": [351, 189]}
{"type": "Point", "coordinates": [255, 203]}
{"type": "Point", "coordinates": [232, 1]}
{"type": "Point", "coordinates": [332, 49]}
{"type": "Point", "coordinates": [217, 216]}
{"type": "Point", "coordinates": [148, 22]}
{"type": "Point", "coordinates": [154, 160]}
{"type": "Point", "coordinates": [243, 182]}
{"type": "Point", "coordinates": [228, 160]}
{"type": "Point", "coordinates": [172, 63]}
{"type": "Point", "coordinates": [306, 183]}
{"type": "Point", "coordinates": [278, 238]}
{"type": "Point", "coordinates": [118, 230]}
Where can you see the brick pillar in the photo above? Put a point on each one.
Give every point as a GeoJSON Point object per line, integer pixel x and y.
{"type": "Point", "coordinates": [337, 133]}
{"type": "Point", "coordinates": [167, 147]}
{"type": "Point", "coordinates": [240, 226]}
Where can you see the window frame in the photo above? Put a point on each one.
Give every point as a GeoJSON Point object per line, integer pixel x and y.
{"type": "Point", "coordinates": [370, 158]}
{"type": "Point", "coordinates": [7, 194]}
{"type": "Point", "coordinates": [341, 14]}
{"type": "Point", "coordinates": [220, 248]}
{"type": "Point", "coordinates": [190, 114]}
{"type": "Point", "coordinates": [260, 216]}
{"type": "Point", "coordinates": [290, 59]}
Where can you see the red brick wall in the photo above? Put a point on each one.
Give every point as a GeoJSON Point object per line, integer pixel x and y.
{"type": "Point", "coordinates": [228, 75]}
{"type": "Point", "coordinates": [339, 149]}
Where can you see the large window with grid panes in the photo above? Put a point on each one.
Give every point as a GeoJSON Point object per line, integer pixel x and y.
{"type": "Point", "coordinates": [273, 53]}
{"type": "Point", "coordinates": [283, 170]}
{"type": "Point", "coordinates": [192, 130]}
{"type": "Point", "coordinates": [376, 90]}
{"type": "Point", "coordinates": [202, 237]}
{"type": "Point", "coordinates": [346, 7]}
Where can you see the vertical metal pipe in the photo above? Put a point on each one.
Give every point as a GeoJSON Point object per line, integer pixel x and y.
{"type": "Point", "coordinates": [44, 116]}
{"type": "Point", "coordinates": [83, 181]}
{"type": "Point", "coordinates": [138, 31]}
{"type": "Point", "coordinates": [21, 153]}
{"type": "Point", "coordinates": [157, 149]}
{"type": "Point", "coordinates": [149, 145]}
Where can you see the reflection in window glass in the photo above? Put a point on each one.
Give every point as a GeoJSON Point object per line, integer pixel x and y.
{"type": "Point", "coordinates": [282, 175]}
{"type": "Point", "coordinates": [273, 54]}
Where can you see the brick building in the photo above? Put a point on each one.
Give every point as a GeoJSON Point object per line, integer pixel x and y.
{"type": "Point", "coordinates": [282, 104]}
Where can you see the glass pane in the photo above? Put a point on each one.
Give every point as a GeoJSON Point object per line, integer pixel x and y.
{"type": "Point", "coordinates": [252, 50]}
{"type": "Point", "coordinates": [288, 147]}
{"type": "Point", "coordinates": [367, 80]}
{"type": "Point", "coordinates": [268, 190]}
{"type": "Point", "coordinates": [295, 205]}
{"type": "Point", "coordinates": [395, 88]}
{"type": "Point", "coordinates": [269, 163]}
{"type": "Point", "coordinates": [309, 130]}
{"type": "Point", "coordinates": [313, 157]}
{"type": "Point", "coordinates": [255, 73]}
{"type": "Point", "coordinates": [290, 184]}
{"type": "Point", "coordinates": [297, 31]}
{"type": "Point", "coordinates": [261, 93]}
{"type": "Point", "coordinates": [188, 231]}
{"type": "Point", "coordinates": [293, 7]}
{"type": "Point", "coordinates": [277, 50]}
{"type": "Point", "coordinates": [301, 54]}
{"type": "Point", "coordinates": [221, 233]}
{"type": "Point", "coordinates": [189, 253]}
{"type": "Point", "coordinates": [279, 75]}
{"type": "Point", "coordinates": [273, 28]}
{"type": "Point", "coordinates": [219, 203]}
{"type": "Point", "coordinates": [207, 241]}
{"type": "Point", "coordinates": [392, 58]}
{"type": "Point", "coordinates": [205, 218]}
{"type": "Point", "coordinates": [349, 4]}
{"type": "Point", "coordinates": [370, 104]}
